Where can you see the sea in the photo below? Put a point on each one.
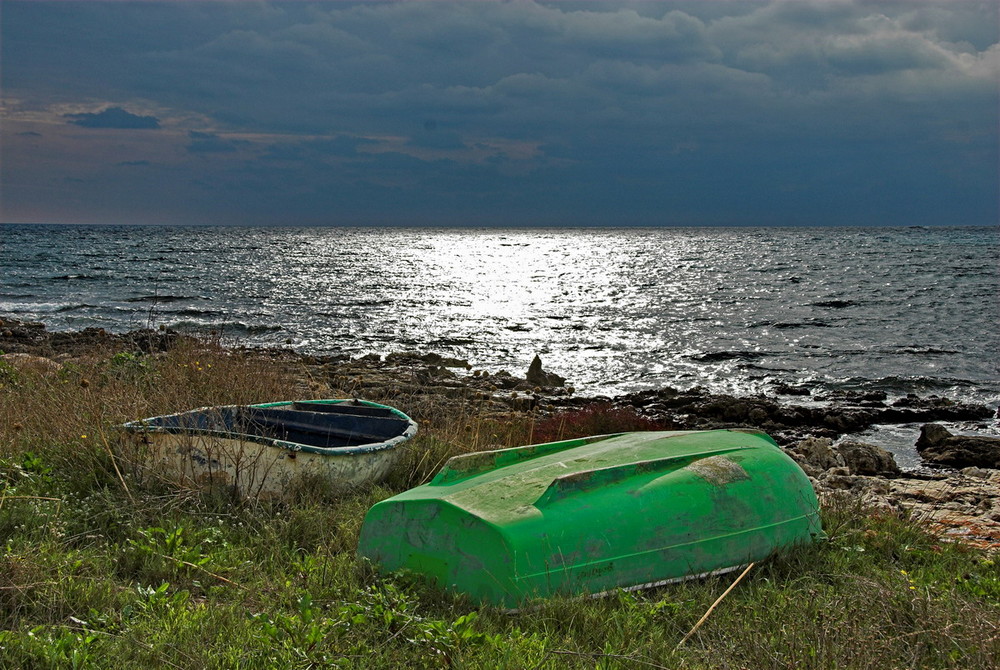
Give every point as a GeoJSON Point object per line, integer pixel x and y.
{"type": "Point", "coordinates": [735, 310]}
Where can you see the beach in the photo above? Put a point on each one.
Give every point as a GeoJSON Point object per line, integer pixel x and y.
{"type": "Point", "coordinates": [962, 502]}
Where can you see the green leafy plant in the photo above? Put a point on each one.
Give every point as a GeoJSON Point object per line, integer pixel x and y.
{"type": "Point", "coordinates": [171, 543]}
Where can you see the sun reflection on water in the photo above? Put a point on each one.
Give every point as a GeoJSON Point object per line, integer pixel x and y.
{"type": "Point", "coordinates": [611, 309]}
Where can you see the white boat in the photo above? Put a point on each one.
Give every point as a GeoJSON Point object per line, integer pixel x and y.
{"type": "Point", "coordinates": [262, 449]}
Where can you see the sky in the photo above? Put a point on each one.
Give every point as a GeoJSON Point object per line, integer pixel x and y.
{"type": "Point", "coordinates": [804, 112]}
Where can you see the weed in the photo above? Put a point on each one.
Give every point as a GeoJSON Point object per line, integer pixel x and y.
{"type": "Point", "coordinates": [101, 567]}
{"type": "Point", "coordinates": [594, 419]}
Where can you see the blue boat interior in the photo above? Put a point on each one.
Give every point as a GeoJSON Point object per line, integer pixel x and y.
{"type": "Point", "coordinates": [323, 425]}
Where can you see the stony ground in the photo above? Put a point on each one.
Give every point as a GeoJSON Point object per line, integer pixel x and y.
{"type": "Point", "coordinates": [960, 503]}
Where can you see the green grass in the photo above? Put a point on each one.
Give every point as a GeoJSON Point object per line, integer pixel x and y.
{"type": "Point", "coordinates": [100, 569]}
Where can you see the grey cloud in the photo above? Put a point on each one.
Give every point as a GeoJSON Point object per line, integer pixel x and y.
{"type": "Point", "coordinates": [744, 97]}
{"type": "Point", "coordinates": [210, 143]}
{"type": "Point", "coordinates": [676, 37]}
{"type": "Point", "coordinates": [975, 25]}
{"type": "Point", "coordinates": [494, 67]}
{"type": "Point", "coordinates": [311, 151]}
{"type": "Point", "coordinates": [814, 40]}
{"type": "Point", "coordinates": [341, 145]}
{"type": "Point", "coordinates": [436, 139]}
{"type": "Point", "coordinates": [114, 117]}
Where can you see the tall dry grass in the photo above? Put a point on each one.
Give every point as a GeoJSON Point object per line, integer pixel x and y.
{"type": "Point", "coordinates": [99, 571]}
{"type": "Point", "coordinates": [73, 415]}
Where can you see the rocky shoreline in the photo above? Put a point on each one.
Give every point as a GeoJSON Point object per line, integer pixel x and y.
{"type": "Point", "coordinates": [958, 495]}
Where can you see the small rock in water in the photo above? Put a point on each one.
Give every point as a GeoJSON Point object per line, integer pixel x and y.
{"type": "Point", "coordinates": [788, 389]}
{"type": "Point", "coordinates": [539, 377]}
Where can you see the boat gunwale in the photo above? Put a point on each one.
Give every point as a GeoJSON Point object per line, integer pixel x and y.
{"type": "Point", "coordinates": [142, 426]}
{"type": "Point", "coordinates": [807, 517]}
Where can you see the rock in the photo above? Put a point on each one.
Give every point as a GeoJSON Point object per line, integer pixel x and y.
{"type": "Point", "coordinates": [938, 446]}
{"type": "Point", "coordinates": [837, 479]}
{"type": "Point", "coordinates": [848, 421]}
{"type": "Point", "coordinates": [818, 453]}
{"type": "Point", "coordinates": [932, 434]}
{"type": "Point", "coordinates": [838, 482]}
{"type": "Point", "coordinates": [539, 377]}
{"type": "Point", "coordinates": [958, 506]}
{"type": "Point", "coordinates": [914, 409]}
{"type": "Point", "coordinates": [867, 459]}
{"type": "Point", "coordinates": [505, 380]}
{"type": "Point", "coordinates": [405, 357]}
{"type": "Point", "coordinates": [819, 457]}
{"type": "Point", "coordinates": [787, 389]}
{"type": "Point", "coordinates": [523, 403]}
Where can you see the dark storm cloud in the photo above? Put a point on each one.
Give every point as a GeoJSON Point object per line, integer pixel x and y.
{"type": "Point", "coordinates": [113, 117]}
{"type": "Point", "coordinates": [786, 111]}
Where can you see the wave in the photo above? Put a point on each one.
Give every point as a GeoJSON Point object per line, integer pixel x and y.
{"type": "Point", "coordinates": [926, 351]}
{"type": "Point", "coordinates": [451, 342]}
{"type": "Point", "coordinates": [74, 308]}
{"type": "Point", "coordinates": [348, 316]}
{"type": "Point", "coordinates": [194, 312]}
{"type": "Point", "coordinates": [225, 327]}
{"type": "Point", "coordinates": [963, 390]}
{"type": "Point", "coordinates": [719, 356]}
{"type": "Point", "coordinates": [761, 368]}
{"type": "Point", "coordinates": [164, 298]}
{"type": "Point", "coordinates": [790, 325]}
{"type": "Point", "coordinates": [34, 308]}
{"type": "Point", "coordinates": [76, 277]}
{"type": "Point", "coordinates": [835, 304]}
{"type": "Point", "coordinates": [366, 303]}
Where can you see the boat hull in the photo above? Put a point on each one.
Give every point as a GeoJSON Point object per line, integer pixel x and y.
{"type": "Point", "coordinates": [262, 450]}
{"type": "Point", "coordinates": [593, 515]}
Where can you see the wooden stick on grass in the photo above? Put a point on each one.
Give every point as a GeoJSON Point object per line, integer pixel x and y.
{"type": "Point", "coordinates": [7, 497]}
{"type": "Point", "coordinates": [198, 567]}
{"type": "Point", "coordinates": [717, 601]}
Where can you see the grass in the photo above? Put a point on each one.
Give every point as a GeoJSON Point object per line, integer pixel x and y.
{"type": "Point", "coordinates": [103, 569]}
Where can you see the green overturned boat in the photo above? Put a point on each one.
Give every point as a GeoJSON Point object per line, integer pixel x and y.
{"type": "Point", "coordinates": [591, 515]}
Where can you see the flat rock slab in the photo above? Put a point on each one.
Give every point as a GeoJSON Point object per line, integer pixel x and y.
{"type": "Point", "coordinates": [959, 506]}
{"type": "Point", "coordinates": [964, 506]}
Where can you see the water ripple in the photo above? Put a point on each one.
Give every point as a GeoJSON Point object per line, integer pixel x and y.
{"type": "Point", "coordinates": [737, 310]}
